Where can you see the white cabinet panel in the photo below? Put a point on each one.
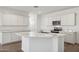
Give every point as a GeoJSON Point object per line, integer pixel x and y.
{"type": "Point", "coordinates": [77, 41]}
{"type": "Point", "coordinates": [9, 19]}
{"type": "Point", "coordinates": [1, 18]}
{"type": "Point", "coordinates": [0, 37]}
{"type": "Point", "coordinates": [70, 37]}
{"type": "Point", "coordinates": [22, 20]}
{"type": "Point", "coordinates": [14, 37]}
{"type": "Point", "coordinates": [25, 21]}
{"type": "Point", "coordinates": [13, 19]}
{"type": "Point", "coordinates": [8, 37]}
{"type": "Point", "coordinates": [68, 19]}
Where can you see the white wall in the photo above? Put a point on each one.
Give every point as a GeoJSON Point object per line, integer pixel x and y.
{"type": "Point", "coordinates": [39, 23]}
{"type": "Point", "coordinates": [58, 14]}
{"type": "Point", "coordinates": [34, 22]}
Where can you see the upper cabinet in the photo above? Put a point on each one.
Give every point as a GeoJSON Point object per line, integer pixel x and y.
{"type": "Point", "coordinates": [14, 19]}
{"type": "Point", "coordinates": [21, 20]}
{"type": "Point", "coordinates": [68, 19]}
{"type": "Point", "coordinates": [9, 19]}
{"type": "Point", "coordinates": [1, 18]}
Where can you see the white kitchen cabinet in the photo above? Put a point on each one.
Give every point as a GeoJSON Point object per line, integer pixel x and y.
{"type": "Point", "coordinates": [9, 19]}
{"type": "Point", "coordinates": [77, 35]}
{"type": "Point", "coordinates": [1, 15]}
{"type": "Point", "coordinates": [70, 37]}
{"type": "Point", "coordinates": [14, 37]}
{"type": "Point", "coordinates": [22, 20]}
{"type": "Point", "coordinates": [8, 37]}
{"type": "Point", "coordinates": [68, 19]}
{"type": "Point", "coordinates": [13, 19]}
{"type": "Point", "coordinates": [0, 37]}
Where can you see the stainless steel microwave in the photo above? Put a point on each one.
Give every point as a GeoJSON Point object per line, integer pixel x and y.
{"type": "Point", "coordinates": [56, 23]}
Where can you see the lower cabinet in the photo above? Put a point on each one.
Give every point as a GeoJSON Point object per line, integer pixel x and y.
{"type": "Point", "coordinates": [70, 37]}
{"type": "Point", "coordinates": [77, 41]}
{"type": "Point", "coordinates": [8, 37]}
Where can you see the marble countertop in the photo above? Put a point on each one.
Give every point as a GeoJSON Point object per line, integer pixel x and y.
{"type": "Point", "coordinates": [14, 30]}
{"type": "Point", "coordinates": [33, 34]}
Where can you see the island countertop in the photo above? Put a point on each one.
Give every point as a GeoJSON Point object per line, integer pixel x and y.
{"type": "Point", "coordinates": [33, 34]}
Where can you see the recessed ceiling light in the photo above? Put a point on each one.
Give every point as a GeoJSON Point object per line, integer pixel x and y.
{"type": "Point", "coordinates": [35, 6]}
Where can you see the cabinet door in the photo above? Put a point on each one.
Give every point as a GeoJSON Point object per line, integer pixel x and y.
{"type": "Point", "coordinates": [21, 20]}
{"type": "Point", "coordinates": [9, 19]}
{"type": "Point", "coordinates": [1, 18]}
{"type": "Point", "coordinates": [0, 37]}
{"type": "Point", "coordinates": [77, 41]}
{"type": "Point", "coordinates": [6, 37]}
{"type": "Point", "coordinates": [68, 19]}
{"type": "Point", "coordinates": [70, 38]}
{"type": "Point", "coordinates": [15, 37]}
{"type": "Point", "coordinates": [25, 21]}
{"type": "Point", "coordinates": [10, 37]}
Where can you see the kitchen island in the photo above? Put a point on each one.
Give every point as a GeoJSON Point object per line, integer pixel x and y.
{"type": "Point", "coordinates": [41, 42]}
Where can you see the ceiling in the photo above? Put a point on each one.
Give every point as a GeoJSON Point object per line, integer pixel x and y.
{"type": "Point", "coordinates": [39, 9]}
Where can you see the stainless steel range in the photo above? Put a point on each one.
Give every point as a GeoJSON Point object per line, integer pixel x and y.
{"type": "Point", "coordinates": [56, 30]}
